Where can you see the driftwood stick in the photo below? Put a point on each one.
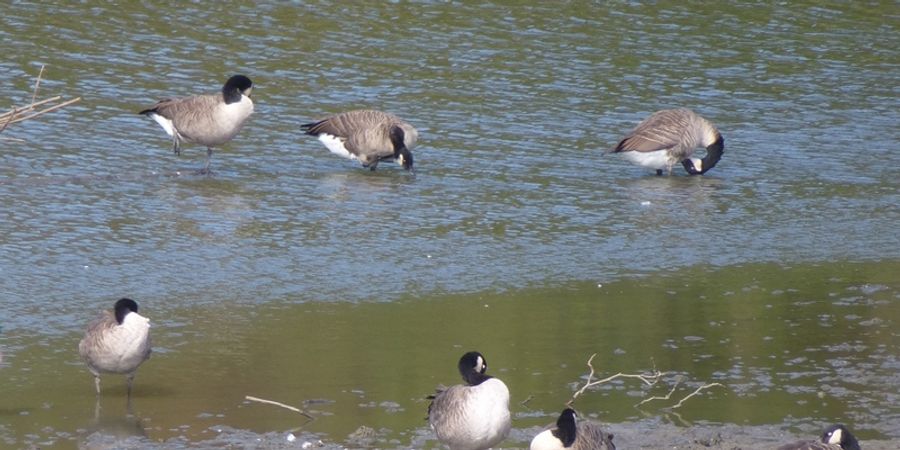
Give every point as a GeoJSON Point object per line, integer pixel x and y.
{"type": "Point", "coordinates": [272, 402]}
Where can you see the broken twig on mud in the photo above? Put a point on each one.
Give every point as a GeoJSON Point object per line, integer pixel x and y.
{"type": "Point", "coordinates": [272, 402]}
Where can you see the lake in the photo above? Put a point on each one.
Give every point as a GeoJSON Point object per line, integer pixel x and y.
{"type": "Point", "coordinates": [299, 277]}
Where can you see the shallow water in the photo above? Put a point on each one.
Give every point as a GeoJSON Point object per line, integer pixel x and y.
{"type": "Point", "coordinates": [293, 275]}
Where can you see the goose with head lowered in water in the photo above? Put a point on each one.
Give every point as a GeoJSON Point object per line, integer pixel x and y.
{"type": "Point", "coordinates": [670, 136]}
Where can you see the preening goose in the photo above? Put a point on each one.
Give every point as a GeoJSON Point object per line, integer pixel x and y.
{"type": "Point", "coordinates": [835, 437]}
{"type": "Point", "coordinates": [475, 415]}
{"type": "Point", "coordinates": [210, 120]}
{"type": "Point", "coordinates": [670, 136]}
{"type": "Point", "coordinates": [118, 341]}
{"type": "Point", "coordinates": [367, 136]}
{"type": "Point", "coordinates": [567, 434]}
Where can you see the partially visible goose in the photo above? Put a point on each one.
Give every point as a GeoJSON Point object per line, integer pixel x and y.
{"type": "Point", "coordinates": [367, 136]}
{"type": "Point", "coordinates": [583, 436]}
{"type": "Point", "coordinates": [670, 136]}
{"type": "Point", "coordinates": [835, 437]}
{"type": "Point", "coordinates": [209, 120]}
{"type": "Point", "coordinates": [116, 342]}
{"type": "Point", "coordinates": [472, 416]}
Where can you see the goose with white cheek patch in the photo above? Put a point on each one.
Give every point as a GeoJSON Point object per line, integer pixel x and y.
{"type": "Point", "coordinates": [472, 416]}
{"type": "Point", "coordinates": [835, 437]}
{"type": "Point", "coordinates": [118, 341]}
{"type": "Point", "coordinates": [210, 120]}
{"type": "Point", "coordinates": [367, 136]}
{"type": "Point", "coordinates": [582, 435]}
{"type": "Point", "coordinates": [670, 136]}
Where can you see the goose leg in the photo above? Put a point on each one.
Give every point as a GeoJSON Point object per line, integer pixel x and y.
{"type": "Point", "coordinates": [129, 381]}
{"type": "Point", "coordinates": [205, 169]}
{"type": "Point", "coordinates": [97, 383]}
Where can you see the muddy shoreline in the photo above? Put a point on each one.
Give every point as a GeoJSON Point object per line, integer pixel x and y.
{"type": "Point", "coordinates": [647, 434]}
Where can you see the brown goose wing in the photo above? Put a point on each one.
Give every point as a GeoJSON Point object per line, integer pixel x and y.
{"type": "Point", "coordinates": [363, 131]}
{"type": "Point", "coordinates": [663, 129]}
{"type": "Point", "coordinates": [592, 436]}
{"type": "Point", "coordinates": [93, 337]}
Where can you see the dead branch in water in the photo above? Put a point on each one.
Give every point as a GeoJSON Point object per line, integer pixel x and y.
{"type": "Point", "coordinates": [272, 402]}
{"type": "Point", "coordinates": [697, 391]}
{"type": "Point", "coordinates": [649, 379]}
{"type": "Point", "coordinates": [22, 113]}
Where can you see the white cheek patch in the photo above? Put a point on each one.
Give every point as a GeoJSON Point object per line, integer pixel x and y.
{"type": "Point", "coordinates": [336, 146]}
{"type": "Point", "coordinates": [836, 436]}
{"type": "Point", "coordinates": [698, 164]}
{"type": "Point", "coordinates": [166, 124]}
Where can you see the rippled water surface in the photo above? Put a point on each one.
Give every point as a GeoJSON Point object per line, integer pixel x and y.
{"type": "Point", "coordinates": [294, 275]}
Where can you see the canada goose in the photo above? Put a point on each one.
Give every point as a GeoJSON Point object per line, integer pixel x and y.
{"type": "Point", "coordinates": [835, 437]}
{"type": "Point", "coordinates": [584, 436]}
{"type": "Point", "coordinates": [670, 136]}
{"type": "Point", "coordinates": [367, 136]}
{"type": "Point", "coordinates": [209, 120]}
{"type": "Point", "coordinates": [116, 342]}
{"type": "Point", "coordinates": [474, 415]}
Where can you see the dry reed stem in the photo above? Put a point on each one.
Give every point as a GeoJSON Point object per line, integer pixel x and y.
{"type": "Point", "coordinates": [37, 84]}
{"type": "Point", "coordinates": [22, 117]}
{"type": "Point", "coordinates": [21, 113]}
{"type": "Point", "coordinates": [20, 110]}
{"type": "Point", "coordinates": [5, 124]}
{"type": "Point", "coordinates": [272, 402]}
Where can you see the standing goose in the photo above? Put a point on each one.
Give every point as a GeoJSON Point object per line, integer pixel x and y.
{"type": "Point", "coordinates": [116, 342]}
{"type": "Point", "coordinates": [472, 416]}
{"type": "Point", "coordinates": [209, 120]}
{"type": "Point", "coordinates": [367, 136]}
{"type": "Point", "coordinates": [583, 436]}
{"type": "Point", "coordinates": [835, 437]}
{"type": "Point", "coordinates": [670, 136]}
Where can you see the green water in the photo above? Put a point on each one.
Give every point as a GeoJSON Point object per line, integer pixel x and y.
{"type": "Point", "coordinates": [296, 276]}
{"type": "Point", "coordinates": [788, 343]}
